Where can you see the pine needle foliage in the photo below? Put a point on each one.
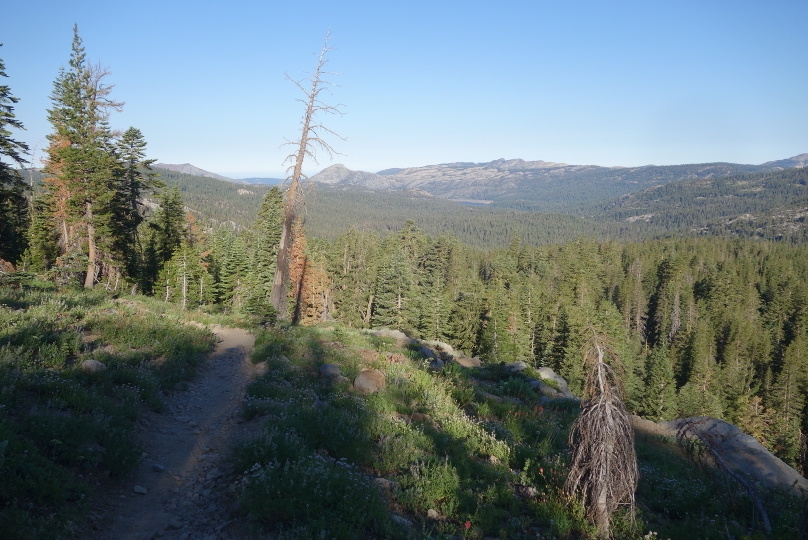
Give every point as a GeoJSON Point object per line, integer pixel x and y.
{"type": "Point", "coordinates": [603, 470]}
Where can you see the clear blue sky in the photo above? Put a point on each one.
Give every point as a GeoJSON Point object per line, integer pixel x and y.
{"type": "Point", "coordinates": [609, 83]}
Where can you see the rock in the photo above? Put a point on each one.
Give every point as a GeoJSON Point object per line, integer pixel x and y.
{"type": "Point", "coordinates": [418, 417]}
{"type": "Point", "coordinates": [319, 404]}
{"type": "Point", "coordinates": [426, 352]}
{"type": "Point", "coordinates": [182, 419]}
{"type": "Point", "coordinates": [330, 371]}
{"type": "Point", "coordinates": [369, 381]}
{"type": "Point", "coordinates": [283, 359]}
{"type": "Point", "coordinates": [492, 397]}
{"type": "Point", "coordinates": [493, 460]}
{"type": "Point", "coordinates": [139, 489]}
{"type": "Point", "coordinates": [213, 474]}
{"type": "Point", "coordinates": [516, 367]}
{"type": "Point", "coordinates": [432, 514]}
{"type": "Point", "coordinates": [92, 366]}
{"type": "Point", "coordinates": [387, 333]}
{"type": "Point", "coordinates": [548, 373]}
{"type": "Point", "coordinates": [341, 379]}
{"type": "Point", "coordinates": [158, 468]}
{"type": "Point", "coordinates": [436, 364]}
{"type": "Point", "coordinates": [544, 389]}
{"type": "Point", "coordinates": [467, 362]}
{"type": "Point", "coordinates": [527, 492]}
{"type": "Point", "coordinates": [404, 522]}
{"type": "Point", "coordinates": [396, 358]}
{"type": "Point", "coordinates": [441, 346]}
{"type": "Point", "coordinates": [261, 369]}
{"type": "Point", "coordinates": [389, 485]}
{"type": "Point", "coordinates": [184, 536]}
{"type": "Point", "coordinates": [192, 423]}
{"type": "Point", "coordinates": [174, 524]}
{"type": "Point", "coordinates": [368, 355]}
{"type": "Point", "coordinates": [744, 454]}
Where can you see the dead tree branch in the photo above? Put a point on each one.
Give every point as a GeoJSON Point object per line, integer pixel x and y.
{"type": "Point", "coordinates": [603, 469]}
{"type": "Point", "coordinates": [311, 140]}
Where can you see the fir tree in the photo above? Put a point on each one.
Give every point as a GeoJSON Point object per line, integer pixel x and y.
{"type": "Point", "coordinates": [13, 204]}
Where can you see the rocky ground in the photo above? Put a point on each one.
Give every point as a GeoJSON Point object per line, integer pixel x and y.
{"type": "Point", "coordinates": [183, 488]}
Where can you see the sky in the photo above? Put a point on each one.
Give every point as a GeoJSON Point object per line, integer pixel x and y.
{"type": "Point", "coordinates": [420, 83]}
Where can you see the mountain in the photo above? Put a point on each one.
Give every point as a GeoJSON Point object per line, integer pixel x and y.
{"type": "Point", "coordinates": [536, 185]}
{"type": "Point", "coordinates": [187, 168]}
{"type": "Point", "coordinates": [266, 181]}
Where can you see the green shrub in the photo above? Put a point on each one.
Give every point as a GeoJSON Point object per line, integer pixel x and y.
{"type": "Point", "coordinates": [316, 497]}
{"type": "Point", "coordinates": [432, 484]}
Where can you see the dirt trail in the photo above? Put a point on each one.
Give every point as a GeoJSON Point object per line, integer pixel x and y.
{"type": "Point", "coordinates": [184, 472]}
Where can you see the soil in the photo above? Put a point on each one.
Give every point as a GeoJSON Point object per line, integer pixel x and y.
{"type": "Point", "coordinates": [189, 487]}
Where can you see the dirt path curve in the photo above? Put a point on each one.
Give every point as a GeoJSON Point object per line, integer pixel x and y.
{"type": "Point", "coordinates": [183, 472]}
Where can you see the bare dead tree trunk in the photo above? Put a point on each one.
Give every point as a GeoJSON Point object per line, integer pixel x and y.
{"type": "Point", "coordinates": [89, 279]}
{"type": "Point", "coordinates": [310, 140]}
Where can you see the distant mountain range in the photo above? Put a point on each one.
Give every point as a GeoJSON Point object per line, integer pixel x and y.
{"type": "Point", "coordinates": [187, 168]}
{"type": "Point", "coordinates": [536, 185]}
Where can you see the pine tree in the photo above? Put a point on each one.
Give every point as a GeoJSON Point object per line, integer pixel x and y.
{"type": "Point", "coordinates": [13, 204]}
{"type": "Point", "coordinates": [659, 401]}
{"type": "Point", "coordinates": [135, 177]}
{"type": "Point", "coordinates": [82, 167]}
{"type": "Point", "coordinates": [787, 400]}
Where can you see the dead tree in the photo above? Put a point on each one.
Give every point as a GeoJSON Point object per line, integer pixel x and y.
{"type": "Point", "coordinates": [603, 469]}
{"type": "Point", "coordinates": [310, 140]}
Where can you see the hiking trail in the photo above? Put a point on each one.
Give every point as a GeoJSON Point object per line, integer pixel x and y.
{"type": "Point", "coordinates": [183, 471]}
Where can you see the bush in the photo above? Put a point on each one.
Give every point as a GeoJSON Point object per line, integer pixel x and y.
{"type": "Point", "coordinates": [317, 497]}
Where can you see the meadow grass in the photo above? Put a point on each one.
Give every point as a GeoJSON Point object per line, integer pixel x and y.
{"type": "Point", "coordinates": [464, 453]}
{"type": "Point", "coordinates": [68, 429]}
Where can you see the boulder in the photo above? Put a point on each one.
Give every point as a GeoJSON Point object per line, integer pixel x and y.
{"type": "Point", "coordinates": [388, 333]}
{"type": "Point", "coordinates": [369, 381]}
{"type": "Point", "coordinates": [427, 352]}
{"type": "Point", "coordinates": [92, 366]}
{"type": "Point", "coordinates": [440, 346]}
{"type": "Point", "coordinates": [467, 362]}
{"type": "Point", "coordinates": [742, 453]}
{"type": "Point", "coordinates": [330, 371]}
{"type": "Point", "coordinates": [548, 373]}
{"type": "Point", "coordinates": [516, 367]}
{"type": "Point", "coordinates": [544, 389]}
{"type": "Point", "coordinates": [396, 358]}
{"type": "Point", "coordinates": [260, 369]}
{"type": "Point", "coordinates": [436, 364]}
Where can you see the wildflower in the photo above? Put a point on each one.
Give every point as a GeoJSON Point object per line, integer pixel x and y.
{"type": "Point", "coordinates": [467, 525]}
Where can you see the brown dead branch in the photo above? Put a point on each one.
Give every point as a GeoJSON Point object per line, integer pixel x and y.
{"type": "Point", "coordinates": [603, 469]}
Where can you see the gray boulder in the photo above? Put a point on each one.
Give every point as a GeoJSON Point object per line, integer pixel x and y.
{"type": "Point", "coordinates": [467, 362]}
{"type": "Point", "coordinates": [330, 371]}
{"type": "Point", "coordinates": [92, 366]}
{"type": "Point", "coordinates": [516, 367]}
{"type": "Point", "coordinates": [544, 389]}
{"type": "Point", "coordinates": [548, 373]}
{"type": "Point", "coordinates": [742, 453]}
{"type": "Point", "coordinates": [369, 381]}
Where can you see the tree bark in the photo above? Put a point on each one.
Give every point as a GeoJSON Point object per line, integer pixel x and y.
{"type": "Point", "coordinates": [89, 279]}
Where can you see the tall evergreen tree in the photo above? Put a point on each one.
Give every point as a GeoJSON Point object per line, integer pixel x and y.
{"type": "Point", "coordinates": [13, 204]}
{"type": "Point", "coordinates": [82, 167]}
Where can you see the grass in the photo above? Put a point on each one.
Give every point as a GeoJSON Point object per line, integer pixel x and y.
{"type": "Point", "coordinates": [67, 429]}
{"type": "Point", "coordinates": [467, 453]}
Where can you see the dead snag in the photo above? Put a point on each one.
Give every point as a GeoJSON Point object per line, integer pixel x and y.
{"type": "Point", "coordinates": [311, 134]}
{"type": "Point", "coordinates": [603, 469]}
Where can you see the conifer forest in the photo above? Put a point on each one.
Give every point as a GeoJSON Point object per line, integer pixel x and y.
{"type": "Point", "coordinates": [703, 314]}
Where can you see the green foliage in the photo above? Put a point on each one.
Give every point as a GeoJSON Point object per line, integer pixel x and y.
{"type": "Point", "coordinates": [14, 216]}
{"type": "Point", "coordinates": [66, 428]}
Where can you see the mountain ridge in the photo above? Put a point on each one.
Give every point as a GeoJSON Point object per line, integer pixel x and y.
{"type": "Point", "coordinates": [537, 185]}
{"type": "Point", "coordinates": [187, 168]}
